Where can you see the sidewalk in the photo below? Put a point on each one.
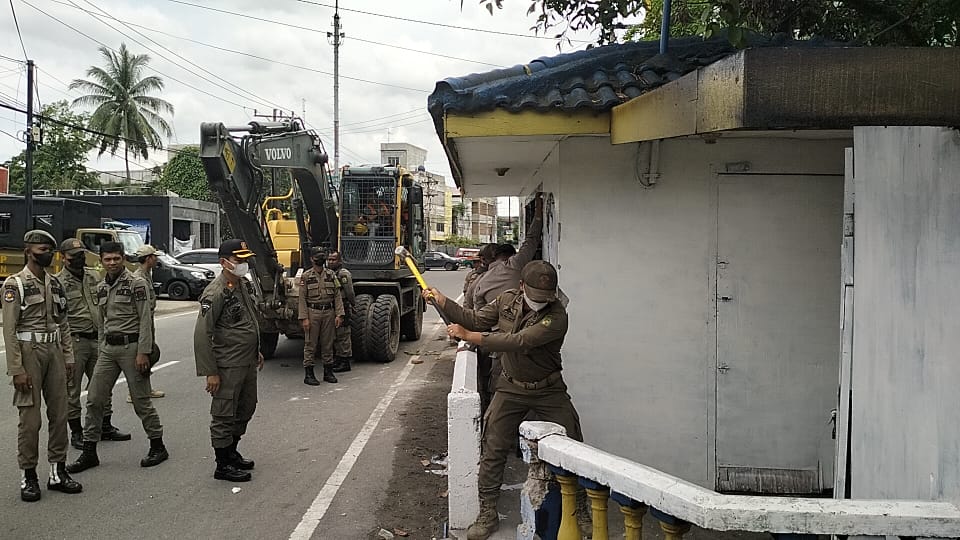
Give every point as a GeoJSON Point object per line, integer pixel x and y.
{"type": "Point", "coordinates": [163, 307]}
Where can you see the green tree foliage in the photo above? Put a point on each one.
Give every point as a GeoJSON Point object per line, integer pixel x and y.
{"type": "Point", "coordinates": [184, 175]}
{"type": "Point", "coordinates": [58, 160]}
{"type": "Point", "coordinates": [459, 241]}
{"type": "Point", "coordinates": [868, 22]}
{"type": "Point", "coordinates": [123, 108]}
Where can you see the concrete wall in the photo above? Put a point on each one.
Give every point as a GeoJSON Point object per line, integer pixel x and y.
{"type": "Point", "coordinates": [904, 433]}
{"type": "Point", "coordinates": [639, 267]}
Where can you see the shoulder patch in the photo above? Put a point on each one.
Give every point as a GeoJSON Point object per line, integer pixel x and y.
{"type": "Point", "coordinates": [9, 295]}
{"type": "Point", "coordinates": [547, 321]}
{"type": "Point", "coordinates": [140, 293]}
{"type": "Point", "coordinates": [205, 306]}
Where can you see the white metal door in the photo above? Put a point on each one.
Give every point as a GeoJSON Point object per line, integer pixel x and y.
{"type": "Point", "coordinates": [778, 330]}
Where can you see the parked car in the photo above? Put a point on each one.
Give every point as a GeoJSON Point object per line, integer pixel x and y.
{"type": "Point", "coordinates": [179, 281]}
{"type": "Point", "coordinates": [436, 259]}
{"type": "Point", "coordinates": [470, 257]}
{"type": "Point", "coordinates": [206, 258]}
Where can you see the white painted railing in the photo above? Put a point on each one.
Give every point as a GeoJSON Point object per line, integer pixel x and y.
{"type": "Point", "coordinates": [463, 440]}
{"type": "Point", "coordinates": [682, 503]}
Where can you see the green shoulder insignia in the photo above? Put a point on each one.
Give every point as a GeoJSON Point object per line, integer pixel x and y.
{"type": "Point", "coordinates": [9, 295]}
{"type": "Point", "coordinates": [547, 321]}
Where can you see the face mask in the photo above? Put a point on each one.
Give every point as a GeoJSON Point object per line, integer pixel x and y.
{"type": "Point", "coordinates": [76, 263]}
{"type": "Point", "coordinates": [536, 306]}
{"type": "Point", "coordinates": [44, 259]}
{"type": "Point", "coordinates": [239, 269]}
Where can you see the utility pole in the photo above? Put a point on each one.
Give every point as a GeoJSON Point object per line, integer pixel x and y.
{"type": "Point", "coordinates": [28, 168]}
{"type": "Point", "coordinates": [336, 35]}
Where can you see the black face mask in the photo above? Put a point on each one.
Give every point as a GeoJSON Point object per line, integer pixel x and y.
{"type": "Point", "coordinates": [43, 259]}
{"type": "Point", "coordinates": [76, 264]}
{"type": "Point", "coordinates": [319, 262]}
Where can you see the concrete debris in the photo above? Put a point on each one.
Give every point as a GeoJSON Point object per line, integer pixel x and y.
{"type": "Point", "coordinates": [385, 534]}
{"type": "Point", "coordinates": [236, 490]}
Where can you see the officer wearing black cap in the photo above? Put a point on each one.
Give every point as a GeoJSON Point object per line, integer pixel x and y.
{"type": "Point", "coordinates": [80, 286]}
{"type": "Point", "coordinates": [321, 313]}
{"type": "Point", "coordinates": [39, 353]}
{"type": "Point", "coordinates": [228, 324]}
{"type": "Point", "coordinates": [532, 324]}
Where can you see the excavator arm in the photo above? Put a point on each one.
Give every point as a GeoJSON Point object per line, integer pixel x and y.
{"type": "Point", "coordinates": [235, 158]}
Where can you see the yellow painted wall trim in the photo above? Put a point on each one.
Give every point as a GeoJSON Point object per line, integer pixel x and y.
{"type": "Point", "coordinates": [501, 123]}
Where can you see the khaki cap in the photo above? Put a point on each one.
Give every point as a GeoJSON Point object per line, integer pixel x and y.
{"type": "Point", "coordinates": [71, 246]}
{"type": "Point", "coordinates": [146, 250]}
{"type": "Point", "coordinates": [38, 236]}
{"type": "Point", "coordinates": [539, 281]}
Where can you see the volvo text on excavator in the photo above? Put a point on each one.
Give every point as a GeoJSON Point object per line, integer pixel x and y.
{"type": "Point", "coordinates": [380, 208]}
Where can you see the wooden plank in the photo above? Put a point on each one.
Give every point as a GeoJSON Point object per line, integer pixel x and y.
{"type": "Point", "coordinates": [842, 415]}
{"type": "Point", "coordinates": [668, 111]}
{"type": "Point", "coordinates": [502, 123]}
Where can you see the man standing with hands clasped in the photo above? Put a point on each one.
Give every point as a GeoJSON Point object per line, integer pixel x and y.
{"type": "Point", "coordinates": [227, 324]}
{"type": "Point", "coordinates": [36, 335]}
{"type": "Point", "coordinates": [321, 313]}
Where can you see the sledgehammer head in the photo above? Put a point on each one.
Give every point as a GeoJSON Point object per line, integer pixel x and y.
{"type": "Point", "coordinates": [402, 252]}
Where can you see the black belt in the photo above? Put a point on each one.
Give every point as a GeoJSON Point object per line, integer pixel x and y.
{"type": "Point", "coordinates": [321, 307]}
{"type": "Point", "coordinates": [121, 339]}
{"type": "Point", "coordinates": [536, 385]}
{"type": "Point", "coordinates": [86, 335]}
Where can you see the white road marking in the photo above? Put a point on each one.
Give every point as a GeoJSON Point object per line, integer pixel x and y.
{"type": "Point", "coordinates": [313, 515]}
{"type": "Point", "coordinates": [188, 312]}
{"type": "Point", "coordinates": [123, 379]}
{"type": "Point", "coordinates": [459, 298]}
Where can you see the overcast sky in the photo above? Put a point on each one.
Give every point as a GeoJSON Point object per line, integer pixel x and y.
{"type": "Point", "coordinates": [394, 108]}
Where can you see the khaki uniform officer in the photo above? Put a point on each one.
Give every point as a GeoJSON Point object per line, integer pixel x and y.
{"type": "Point", "coordinates": [147, 258]}
{"type": "Point", "coordinates": [343, 344]}
{"type": "Point", "coordinates": [36, 336]}
{"type": "Point", "coordinates": [80, 287]}
{"type": "Point", "coordinates": [227, 324]}
{"type": "Point", "coordinates": [321, 313]}
{"type": "Point", "coordinates": [125, 346]}
{"type": "Point", "coordinates": [532, 326]}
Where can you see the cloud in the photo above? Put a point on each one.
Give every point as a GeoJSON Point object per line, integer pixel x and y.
{"type": "Point", "coordinates": [368, 112]}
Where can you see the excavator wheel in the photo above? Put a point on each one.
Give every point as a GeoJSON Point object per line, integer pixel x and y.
{"type": "Point", "coordinates": [358, 324]}
{"type": "Point", "coordinates": [383, 329]}
{"type": "Point", "coordinates": [411, 324]}
{"type": "Point", "coordinates": [268, 344]}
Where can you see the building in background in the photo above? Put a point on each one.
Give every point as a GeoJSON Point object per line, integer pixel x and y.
{"type": "Point", "coordinates": [437, 195]}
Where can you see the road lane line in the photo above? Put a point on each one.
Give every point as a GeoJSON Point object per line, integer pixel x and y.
{"type": "Point", "coordinates": [187, 312]}
{"type": "Point", "coordinates": [311, 519]}
{"type": "Point", "coordinates": [123, 379]}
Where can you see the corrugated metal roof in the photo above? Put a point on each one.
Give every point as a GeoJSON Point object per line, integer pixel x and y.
{"type": "Point", "coordinates": [594, 79]}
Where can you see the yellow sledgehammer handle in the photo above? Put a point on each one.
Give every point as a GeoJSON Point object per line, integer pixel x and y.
{"type": "Point", "coordinates": [412, 265]}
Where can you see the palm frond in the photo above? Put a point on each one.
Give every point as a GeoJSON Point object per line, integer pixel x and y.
{"type": "Point", "coordinates": [147, 84]}
{"type": "Point", "coordinates": [153, 104]}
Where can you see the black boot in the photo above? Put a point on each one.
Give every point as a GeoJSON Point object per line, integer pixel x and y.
{"type": "Point", "coordinates": [342, 364]}
{"type": "Point", "coordinates": [310, 377]}
{"type": "Point", "coordinates": [238, 460]}
{"type": "Point", "coordinates": [76, 433]}
{"type": "Point", "coordinates": [60, 480]}
{"type": "Point", "coordinates": [29, 485]}
{"type": "Point", "coordinates": [157, 454]}
{"type": "Point", "coordinates": [226, 469]}
{"type": "Point", "coordinates": [88, 458]}
{"type": "Point", "coordinates": [328, 375]}
{"type": "Point", "coordinates": [109, 432]}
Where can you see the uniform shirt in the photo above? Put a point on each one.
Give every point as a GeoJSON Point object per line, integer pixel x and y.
{"type": "Point", "coordinates": [319, 287]}
{"type": "Point", "coordinates": [42, 308]}
{"type": "Point", "coordinates": [529, 341]}
{"type": "Point", "coordinates": [505, 275]}
{"type": "Point", "coordinates": [125, 309]}
{"type": "Point", "coordinates": [81, 293]}
{"type": "Point", "coordinates": [470, 284]}
{"type": "Point", "coordinates": [227, 324]}
{"type": "Point", "coordinates": [151, 293]}
{"type": "Point", "coordinates": [347, 293]}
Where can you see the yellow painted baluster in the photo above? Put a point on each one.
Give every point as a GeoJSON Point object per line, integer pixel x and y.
{"type": "Point", "coordinates": [568, 518]}
{"type": "Point", "coordinates": [598, 507]}
{"type": "Point", "coordinates": [674, 531]}
{"type": "Point", "coordinates": [633, 520]}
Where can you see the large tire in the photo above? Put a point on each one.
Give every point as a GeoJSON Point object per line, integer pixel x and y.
{"type": "Point", "coordinates": [383, 329]}
{"type": "Point", "coordinates": [178, 290]}
{"type": "Point", "coordinates": [449, 266]}
{"type": "Point", "coordinates": [358, 325]}
{"type": "Point", "coordinates": [411, 324]}
{"type": "Point", "coordinates": [268, 344]}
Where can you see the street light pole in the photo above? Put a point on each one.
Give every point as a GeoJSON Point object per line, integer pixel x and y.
{"type": "Point", "coordinates": [28, 165]}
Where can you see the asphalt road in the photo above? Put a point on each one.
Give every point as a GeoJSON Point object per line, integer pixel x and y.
{"type": "Point", "coordinates": [323, 454]}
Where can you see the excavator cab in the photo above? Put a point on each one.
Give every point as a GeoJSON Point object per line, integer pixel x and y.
{"type": "Point", "coordinates": [380, 208]}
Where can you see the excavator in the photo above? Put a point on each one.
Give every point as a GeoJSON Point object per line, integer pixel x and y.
{"type": "Point", "coordinates": [379, 209]}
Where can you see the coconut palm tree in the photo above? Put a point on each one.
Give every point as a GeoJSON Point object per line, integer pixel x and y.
{"type": "Point", "coordinates": [123, 109]}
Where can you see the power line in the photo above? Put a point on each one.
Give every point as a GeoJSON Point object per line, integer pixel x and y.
{"type": "Point", "coordinates": [381, 128]}
{"type": "Point", "coordinates": [19, 34]}
{"type": "Point", "coordinates": [394, 46]}
{"type": "Point", "coordinates": [12, 59]}
{"type": "Point", "coordinates": [95, 40]}
{"type": "Point", "coordinates": [387, 123]}
{"type": "Point", "coordinates": [429, 23]}
{"type": "Point", "coordinates": [418, 109]}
